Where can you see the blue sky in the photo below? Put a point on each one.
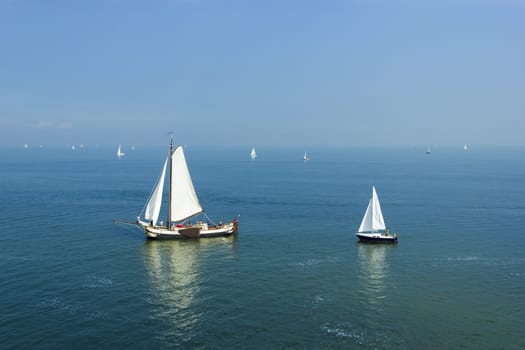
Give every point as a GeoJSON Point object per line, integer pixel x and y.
{"type": "Point", "coordinates": [285, 73]}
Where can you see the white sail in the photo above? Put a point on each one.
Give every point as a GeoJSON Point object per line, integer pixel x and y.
{"type": "Point", "coordinates": [465, 147]}
{"type": "Point", "coordinates": [373, 218]}
{"type": "Point", "coordinates": [119, 152]}
{"type": "Point", "coordinates": [253, 154]}
{"type": "Point", "coordinates": [153, 208]}
{"type": "Point", "coordinates": [305, 157]}
{"type": "Point", "coordinates": [184, 200]}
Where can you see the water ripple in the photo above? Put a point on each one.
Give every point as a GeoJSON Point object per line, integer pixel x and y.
{"type": "Point", "coordinates": [11, 257]}
{"type": "Point", "coordinates": [487, 261]}
{"type": "Point", "coordinates": [59, 305]}
{"type": "Point", "coordinates": [98, 282]}
{"type": "Point", "coordinates": [348, 331]}
{"type": "Point", "coordinates": [314, 262]}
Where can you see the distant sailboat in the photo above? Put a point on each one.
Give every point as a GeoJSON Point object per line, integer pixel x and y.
{"type": "Point", "coordinates": [73, 147]}
{"type": "Point", "coordinates": [428, 150]}
{"type": "Point", "coordinates": [465, 147]}
{"type": "Point", "coordinates": [183, 204]}
{"type": "Point", "coordinates": [372, 228]}
{"type": "Point", "coordinates": [305, 157]}
{"type": "Point", "coordinates": [119, 152]}
{"type": "Point", "coordinates": [253, 155]}
{"type": "Point", "coordinates": [26, 146]}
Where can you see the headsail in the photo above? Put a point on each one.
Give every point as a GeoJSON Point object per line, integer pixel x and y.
{"type": "Point", "coordinates": [184, 200]}
{"type": "Point", "coordinates": [153, 207]}
{"type": "Point", "coordinates": [373, 218]}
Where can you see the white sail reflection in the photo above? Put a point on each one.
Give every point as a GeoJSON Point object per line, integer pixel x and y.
{"type": "Point", "coordinates": [174, 269]}
{"type": "Point", "coordinates": [373, 273]}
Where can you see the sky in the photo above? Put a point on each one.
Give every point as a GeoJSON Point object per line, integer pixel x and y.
{"type": "Point", "coordinates": [263, 73]}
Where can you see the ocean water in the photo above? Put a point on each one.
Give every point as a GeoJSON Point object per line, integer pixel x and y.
{"type": "Point", "coordinates": [295, 276]}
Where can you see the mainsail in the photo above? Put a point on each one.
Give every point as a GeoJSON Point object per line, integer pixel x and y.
{"type": "Point", "coordinates": [373, 219]}
{"type": "Point", "coordinates": [119, 152]}
{"type": "Point", "coordinates": [184, 200]}
{"type": "Point", "coordinates": [253, 154]}
{"type": "Point", "coordinates": [153, 207]}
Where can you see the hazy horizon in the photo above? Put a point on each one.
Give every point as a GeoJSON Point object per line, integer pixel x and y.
{"type": "Point", "coordinates": [299, 74]}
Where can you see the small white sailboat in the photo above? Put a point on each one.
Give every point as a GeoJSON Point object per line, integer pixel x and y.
{"type": "Point", "coordinates": [253, 155]}
{"type": "Point", "coordinates": [465, 147]}
{"type": "Point", "coordinates": [119, 152]}
{"type": "Point", "coordinates": [305, 157]}
{"type": "Point", "coordinates": [372, 228]}
{"type": "Point", "coordinates": [26, 146]}
{"type": "Point", "coordinates": [183, 205]}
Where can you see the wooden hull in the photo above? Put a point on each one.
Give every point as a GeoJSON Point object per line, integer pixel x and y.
{"type": "Point", "coordinates": [376, 238]}
{"type": "Point", "coordinates": [190, 232]}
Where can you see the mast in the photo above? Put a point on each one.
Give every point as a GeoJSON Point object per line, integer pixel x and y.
{"type": "Point", "coordinates": [373, 202]}
{"type": "Point", "coordinates": [169, 190]}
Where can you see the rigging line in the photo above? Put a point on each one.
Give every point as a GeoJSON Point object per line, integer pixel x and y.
{"type": "Point", "coordinates": [208, 218]}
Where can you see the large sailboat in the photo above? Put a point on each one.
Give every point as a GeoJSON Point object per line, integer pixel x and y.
{"type": "Point", "coordinates": [183, 205]}
{"type": "Point", "coordinates": [372, 228]}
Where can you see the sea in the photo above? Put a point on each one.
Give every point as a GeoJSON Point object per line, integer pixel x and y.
{"type": "Point", "coordinates": [295, 276]}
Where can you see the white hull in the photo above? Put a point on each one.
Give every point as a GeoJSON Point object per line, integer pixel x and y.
{"type": "Point", "coordinates": [200, 230]}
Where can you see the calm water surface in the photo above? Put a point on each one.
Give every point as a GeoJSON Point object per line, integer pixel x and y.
{"type": "Point", "coordinates": [295, 277]}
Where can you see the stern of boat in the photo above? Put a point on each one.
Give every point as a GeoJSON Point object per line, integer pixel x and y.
{"type": "Point", "coordinates": [235, 224]}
